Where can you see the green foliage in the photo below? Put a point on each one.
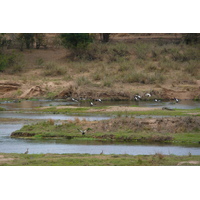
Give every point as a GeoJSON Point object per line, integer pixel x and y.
{"type": "Point", "coordinates": [7, 60]}
{"type": "Point", "coordinates": [157, 159]}
{"type": "Point", "coordinates": [27, 38]}
{"type": "Point", "coordinates": [2, 109]}
{"type": "Point", "coordinates": [75, 41]}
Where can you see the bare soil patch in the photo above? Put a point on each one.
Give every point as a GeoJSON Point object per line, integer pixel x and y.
{"type": "Point", "coordinates": [5, 160]}
{"type": "Point", "coordinates": [191, 162]}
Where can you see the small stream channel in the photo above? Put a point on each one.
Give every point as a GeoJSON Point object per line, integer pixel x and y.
{"type": "Point", "coordinates": [12, 145]}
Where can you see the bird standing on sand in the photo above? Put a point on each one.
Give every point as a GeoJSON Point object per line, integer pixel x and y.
{"type": "Point", "coordinates": [26, 152]}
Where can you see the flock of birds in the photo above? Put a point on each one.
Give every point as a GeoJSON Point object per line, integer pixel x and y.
{"type": "Point", "coordinates": [91, 102]}
{"type": "Point", "coordinates": [136, 98]}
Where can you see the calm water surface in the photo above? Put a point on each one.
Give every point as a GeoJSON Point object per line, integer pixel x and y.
{"type": "Point", "coordinates": [11, 145]}
{"type": "Point", "coordinates": [26, 105]}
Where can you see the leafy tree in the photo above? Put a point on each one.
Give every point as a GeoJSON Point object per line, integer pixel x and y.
{"type": "Point", "coordinates": [27, 38]}
{"type": "Point", "coordinates": [39, 39]}
{"type": "Point", "coordinates": [75, 41]}
{"type": "Point", "coordinates": [2, 40]}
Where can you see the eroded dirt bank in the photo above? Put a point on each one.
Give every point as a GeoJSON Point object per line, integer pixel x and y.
{"type": "Point", "coordinates": [20, 90]}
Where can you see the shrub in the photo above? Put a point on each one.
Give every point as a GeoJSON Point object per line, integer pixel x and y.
{"type": "Point", "coordinates": [11, 62]}
{"type": "Point", "coordinates": [75, 41]}
{"type": "Point", "coordinates": [52, 69]}
{"type": "Point", "coordinates": [141, 50]}
{"type": "Point", "coordinates": [83, 81]}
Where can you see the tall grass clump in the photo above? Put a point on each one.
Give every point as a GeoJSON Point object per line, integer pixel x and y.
{"type": "Point", "coordinates": [141, 50]}
{"type": "Point", "coordinates": [11, 62]}
{"type": "Point", "coordinates": [53, 69]}
{"type": "Point", "coordinates": [83, 80]}
{"type": "Point", "coordinates": [143, 78]}
{"type": "Point", "coordinates": [193, 68]}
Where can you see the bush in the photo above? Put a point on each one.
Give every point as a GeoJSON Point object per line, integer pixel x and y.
{"type": "Point", "coordinates": [75, 41]}
{"type": "Point", "coordinates": [52, 69]}
{"type": "Point", "coordinates": [10, 61]}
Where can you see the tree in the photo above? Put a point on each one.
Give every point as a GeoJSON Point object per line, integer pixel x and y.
{"type": "Point", "coordinates": [39, 39]}
{"type": "Point", "coordinates": [27, 38]}
{"type": "Point", "coordinates": [75, 41]}
{"type": "Point", "coordinates": [105, 37]}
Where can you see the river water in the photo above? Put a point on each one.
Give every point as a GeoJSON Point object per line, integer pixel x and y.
{"type": "Point", "coordinates": [13, 145]}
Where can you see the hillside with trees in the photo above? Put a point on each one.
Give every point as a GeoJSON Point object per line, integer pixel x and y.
{"type": "Point", "coordinates": [106, 65]}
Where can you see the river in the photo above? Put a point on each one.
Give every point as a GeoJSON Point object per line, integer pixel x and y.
{"type": "Point", "coordinates": [13, 145]}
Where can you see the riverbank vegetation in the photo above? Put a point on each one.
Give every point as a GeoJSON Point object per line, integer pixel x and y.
{"type": "Point", "coordinates": [118, 69]}
{"type": "Point", "coordinates": [97, 160]}
{"type": "Point", "coordinates": [118, 111]}
{"type": "Point", "coordinates": [180, 130]}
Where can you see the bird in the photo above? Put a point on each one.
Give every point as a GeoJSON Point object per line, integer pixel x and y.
{"type": "Point", "coordinates": [74, 100]}
{"type": "Point", "coordinates": [99, 100]}
{"type": "Point", "coordinates": [157, 100]}
{"type": "Point", "coordinates": [101, 152]}
{"type": "Point", "coordinates": [148, 95]}
{"type": "Point", "coordinates": [26, 152]}
{"type": "Point", "coordinates": [91, 104]}
{"type": "Point", "coordinates": [83, 132]}
{"type": "Point", "coordinates": [136, 99]}
{"type": "Point", "coordinates": [138, 96]}
{"type": "Point", "coordinates": [177, 100]}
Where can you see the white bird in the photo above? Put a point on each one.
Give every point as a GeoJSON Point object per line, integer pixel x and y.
{"type": "Point", "coordinates": [138, 96]}
{"type": "Point", "coordinates": [176, 100]}
{"type": "Point", "coordinates": [136, 99]}
{"type": "Point", "coordinates": [74, 100]}
{"type": "Point", "coordinates": [91, 103]}
{"type": "Point", "coordinates": [157, 100]}
{"type": "Point", "coordinates": [99, 100]}
{"type": "Point", "coordinates": [26, 152]}
{"type": "Point", "coordinates": [148, 95]}
{"type": "Point", "coordinates": [83, 132]}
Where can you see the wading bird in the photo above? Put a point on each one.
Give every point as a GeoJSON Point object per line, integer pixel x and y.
{"type": "Point", "coordinates": [148, 95]}
{"type": "Point", "coordinates": [99, 100]}
{"type": "Point", "coordinates": [26, 152]}
{"type": "Point", "coordinates": [176, 100]}
{"type": "Point", "coordinates": [101, 152]}
{"type": "Point", "coordinates": [74, 100]}
{"type": "Point", "coordinates": [157, 100]}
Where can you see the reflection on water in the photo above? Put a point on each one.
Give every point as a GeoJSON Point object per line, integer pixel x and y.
{"type": "Point", "coordinates": [49, 116]}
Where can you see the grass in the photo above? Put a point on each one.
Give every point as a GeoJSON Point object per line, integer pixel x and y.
{"type": "Point", "coordinates": [184, 130]}
{"type": "Point", "coordinates": [100, 110]}
{"type": "Point", "coordinates": [114, 66]}
{"type": "Point", "coordinates": [2, 109]}
{"type": "Point", "coordinates": [97, 160]}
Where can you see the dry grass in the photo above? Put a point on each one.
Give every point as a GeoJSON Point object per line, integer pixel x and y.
{"type": "Point", "coordinates": [113, 65]}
